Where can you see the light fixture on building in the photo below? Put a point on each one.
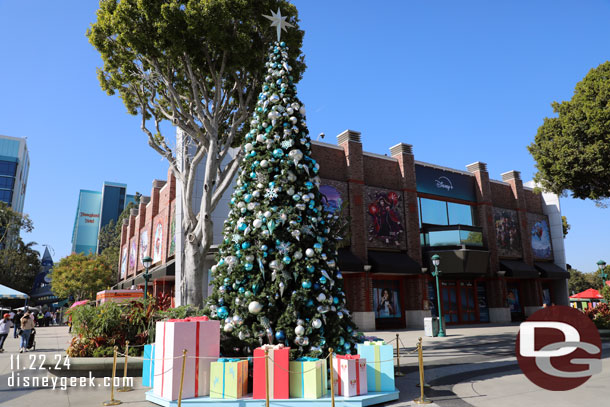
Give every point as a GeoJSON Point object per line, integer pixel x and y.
{"type": "Point", "coordinates": [146, 261]}
{"type": "Point", "coordinates": [367, 267]}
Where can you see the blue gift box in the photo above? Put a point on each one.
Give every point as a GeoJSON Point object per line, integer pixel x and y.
{"type": "Point", "coordinates": [379, 365]}
{"type": "Point", "coordinates": [148, 366]}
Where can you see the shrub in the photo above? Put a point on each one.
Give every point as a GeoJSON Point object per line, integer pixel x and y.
{"type": "Point", "coordinates": [600, 316]}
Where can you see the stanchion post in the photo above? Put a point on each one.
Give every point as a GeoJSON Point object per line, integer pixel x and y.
{"type": "Point", "coordinates": [112, 401]}
{"type": "Point", "coordinates": [398, 373]}
{"type": "Point", "coordinates": [420, 355]}
{"type": "Point", "coordinates": [182, 377]}
{"type": "Point", "coordinates": [124, 387]}
{"type": "Point", "coordinates": [267, 377]}
{"type": "Point", "coordinates": [332, 378]}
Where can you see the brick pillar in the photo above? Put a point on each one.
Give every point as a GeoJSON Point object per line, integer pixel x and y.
{"type": "Point", "coordinates": [124, 240]}
{"type": "Point", "coordinates": [349, 140]}
{"type": "Point", "coordinates": [513, 178]}
{"type": "Point", "coordinates": [406, 162]}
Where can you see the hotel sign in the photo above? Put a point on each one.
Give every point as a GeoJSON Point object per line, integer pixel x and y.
{"type": "Point", "coordinates": [435, 181]}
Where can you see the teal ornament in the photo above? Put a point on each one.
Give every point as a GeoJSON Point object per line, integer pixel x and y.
{"type": "Point", "coordinates": [261, 266]}
{"type": "Point", "coordinates": [253, 176]}
{"type": "Point", "coordinates": [310, 269]}
{"type": "Point", "coordinates": [323, 280]}
{"type": "Point", "coordinates": [322, 341]}
{"type": "Point", "coordinates": [296, 197]}
{"type": "Point", "coordinates": [341, 341]}
{"type": "Point", "coordinates": [242, 226]}
{"type": "Point", "coordinates": [227, 280]}
{"type": "Point", "coordinates": [309, 185]}
{"type": "Point", "coordinates": [255, 288]}
{"type": "Point", "coordinates": [248, 266]}
{"type": "Point", "coordinates": [317, 246]}
{"type": "Point", "coordinates": [336, 301]}
{"type": "Point", "coordinates": [349, 329]}
{"type": "Point", "coordinates": [270, 226]}
{"type": "Point", "coordinates": [241, 290]}
{"type": "Point", "coordinates": [347, 346]}
{"type": "Point", "coordinates": [264, 248]}
{"type": "Point", "coordinates": [245, 245]}
{"type": "Point", "coordinates": [306, 284]}
{"type": "Point", "coordinates": [286, 259]}
{"type": "Point", "coordinates": [248, 294]}
{"type": "Point", "coordinates": [278, 153]}
{"type": "Point", "coordinates": [222, 312]}
{"type": "Point", "coordinates": [309, 303]}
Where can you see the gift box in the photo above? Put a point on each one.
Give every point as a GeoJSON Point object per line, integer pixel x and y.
{"type": "Point", "coordinates": [201, 338]}
{"type": "Point", "coordinates": [379, 365]}
{"type": "Point", "coordinates": [349, 374]}
{"type": "Point", "coordinates": [148, 365]}
{"type": "Point", "coordinates": [228, 379]}
{"type": "Point", "coordinates": [308, 378]}
{"type": "Point", "coordinates": [279, 379]}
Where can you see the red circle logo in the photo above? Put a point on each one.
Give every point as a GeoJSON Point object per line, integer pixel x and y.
{"type": "Point", "coordinates": [558, 348]}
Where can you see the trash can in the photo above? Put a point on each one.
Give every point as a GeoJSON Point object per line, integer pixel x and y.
{"type": "Point", "coordinates": [431, 326]}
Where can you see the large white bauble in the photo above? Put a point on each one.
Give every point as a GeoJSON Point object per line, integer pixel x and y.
{"type": "Point", "coordinates": [228, 328]}
{"type": "Point", "coordinates": [255, 307]}
{"type": "Point", "coordinates": [299, 330]}
{"type": "Point", "coordinates": [260, 138]}
{"type": "Point", "coordinates": [309, 253]}
{"type": "Point", "coordinates": [264, 163]}
{"type": "Point", "coordinates": [321, 297]}
{"type": "Point", "coordinates": [257, 223]}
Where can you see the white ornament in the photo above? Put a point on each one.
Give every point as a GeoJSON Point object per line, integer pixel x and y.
{"type": "Point", "coordinates": [260, 138]}
{"type": "Point", "coordinates": [257, 223]}
{"type": "Point", "coordinates": [228, 328]}
{"type": "Point", "coordinates": [249, 147]}
{"type": "Point", "coordinates": [321, 297]}
{"type": "Point", "coordinates": [264, 163]}
{"type": "Point", "coordinates": [309, 253]}
{"type": "Point", "coordinates": [255, 307]}
{"type": "Point", "coordinates": [299, 330]}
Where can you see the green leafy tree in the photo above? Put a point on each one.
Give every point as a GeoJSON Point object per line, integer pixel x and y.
{"type": "Point", "coordinates": [11, 224]}
{"type": "Point", "coordinates": [81, 276]}
{"type": "Point", "coordinates": [605, 292]}
{"type": "Point", "coordinates": [196, 64]}
{"type": "Point", "coordinates": [19, 264]}
{"type": "Point", "coordinates": [276, 280]}
{"type": "Point", "coordinates": [572, 149]}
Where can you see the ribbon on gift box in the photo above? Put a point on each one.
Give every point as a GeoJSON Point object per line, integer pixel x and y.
{"type": "Point", "coordinates": [348, 356]}
{"type": "Point", "coordinates": [374, 343]}
{"type": "Point", "coordinates": [194, 319]}
{"type": "Point", "coordinates": [272, 347]}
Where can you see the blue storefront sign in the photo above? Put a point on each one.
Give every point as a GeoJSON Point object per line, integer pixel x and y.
{"type": "Point", "coordinates": [435, 181]}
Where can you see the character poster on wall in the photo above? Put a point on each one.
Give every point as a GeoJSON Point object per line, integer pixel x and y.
{"type": "Point", "coordinates": [334, 195]}
{"type": "Point", "coordinates": [158, 243]}
{"type": "Point", "coordinates": [132, 255]}
{"type": "Point", "coordinates": [124, 262]}
{"type": "Point", "coordinates": [385, 224]}
{"type": "Point", "coordinates": [507, 232]}
{"type": "Point", "coordinates": [386, 303]}
{"type": "Point", "coordinates": [143, 246]}
{"type": "Point", "coordinates": [541, 236]}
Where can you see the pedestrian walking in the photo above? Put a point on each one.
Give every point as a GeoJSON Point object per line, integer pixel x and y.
{"type": "Point", "coordinates": [5, 327]}
{"type": "Point", "coordinates": [47, 318]}
{"type": "Point", "coordinates": [17, 322]}
{"type": "Point", "coordinates": [27, 324]}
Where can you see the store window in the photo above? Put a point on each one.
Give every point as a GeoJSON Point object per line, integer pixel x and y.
{"type": "Point", "coordinates": [434, 212]}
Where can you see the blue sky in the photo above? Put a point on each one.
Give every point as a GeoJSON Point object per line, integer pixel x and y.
{"type": "Point", "coordinates": [460, 81]}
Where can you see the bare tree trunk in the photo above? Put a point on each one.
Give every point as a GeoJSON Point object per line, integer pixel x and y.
{"type": "Point", "coordinates": [192, 272]}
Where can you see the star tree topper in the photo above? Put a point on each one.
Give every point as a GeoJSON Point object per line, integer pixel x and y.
{"type": "Point", "coordinates": [278, 21]}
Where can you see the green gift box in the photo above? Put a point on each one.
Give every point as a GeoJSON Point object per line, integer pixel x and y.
{"type": "Point", "coordinates": [228, 379]}
{"type": "Point", "coordinates": [308, 378]}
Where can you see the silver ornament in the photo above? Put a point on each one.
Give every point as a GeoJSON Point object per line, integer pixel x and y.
{"type": "Point", "coordinates": [255, 307]}
{"type": "Point", "coordinates": [316, 323]}
{"type": "Point", "coordinates": [299, 330]}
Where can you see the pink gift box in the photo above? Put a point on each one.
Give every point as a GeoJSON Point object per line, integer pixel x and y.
{"type": "Point", "coordinates": [349, 375]}
{"type": "Point", "coordinates": [279, 379]}
{"type": "Point", "coordinates": [201, 339]}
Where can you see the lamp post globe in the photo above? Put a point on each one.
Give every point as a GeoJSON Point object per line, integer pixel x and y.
{"type": "Point", "coordinates": [146, 261]}
{"type": "Point", "coordinates": [436, 260]}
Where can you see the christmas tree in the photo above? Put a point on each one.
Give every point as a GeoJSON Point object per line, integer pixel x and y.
{"type": "Point", "coordinates": [276, 279]}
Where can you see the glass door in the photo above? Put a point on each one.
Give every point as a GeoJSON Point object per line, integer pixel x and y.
{"type": "Point", "coordinates": [468, 312]}
{"type": "Point", "coordinates": [449, 296]}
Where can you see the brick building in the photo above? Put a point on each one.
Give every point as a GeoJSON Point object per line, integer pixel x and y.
{"type": "Point", "coordinates": [500, 243]}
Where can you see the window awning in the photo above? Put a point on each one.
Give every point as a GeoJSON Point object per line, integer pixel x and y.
{"type": "Point", "coordinates": [348, 261]}
{"type": "Point", "coordinates": [551, 270]}
{"type": "Point", "coordinates": [393, 263]}
{"type": "Point", "coordinates": [160, 272]}
{"type": "Point", "coordinates": [518, 269]}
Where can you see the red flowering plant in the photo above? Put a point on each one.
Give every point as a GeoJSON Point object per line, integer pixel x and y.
{"type": "Point", "coordinates": [600, 316]}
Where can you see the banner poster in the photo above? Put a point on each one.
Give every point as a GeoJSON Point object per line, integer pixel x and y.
{"type": "Point", "coordinates": [386, 300]}
{"type": "Point", "coordinates": [158, 242]}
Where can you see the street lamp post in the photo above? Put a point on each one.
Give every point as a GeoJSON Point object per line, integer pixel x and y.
{"type": "Point", "coordinates": [436, 260]}
{"type": "Point", "coordinates": [146, 261]}
{"type": "Point", "coordinates": [602, 267]}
